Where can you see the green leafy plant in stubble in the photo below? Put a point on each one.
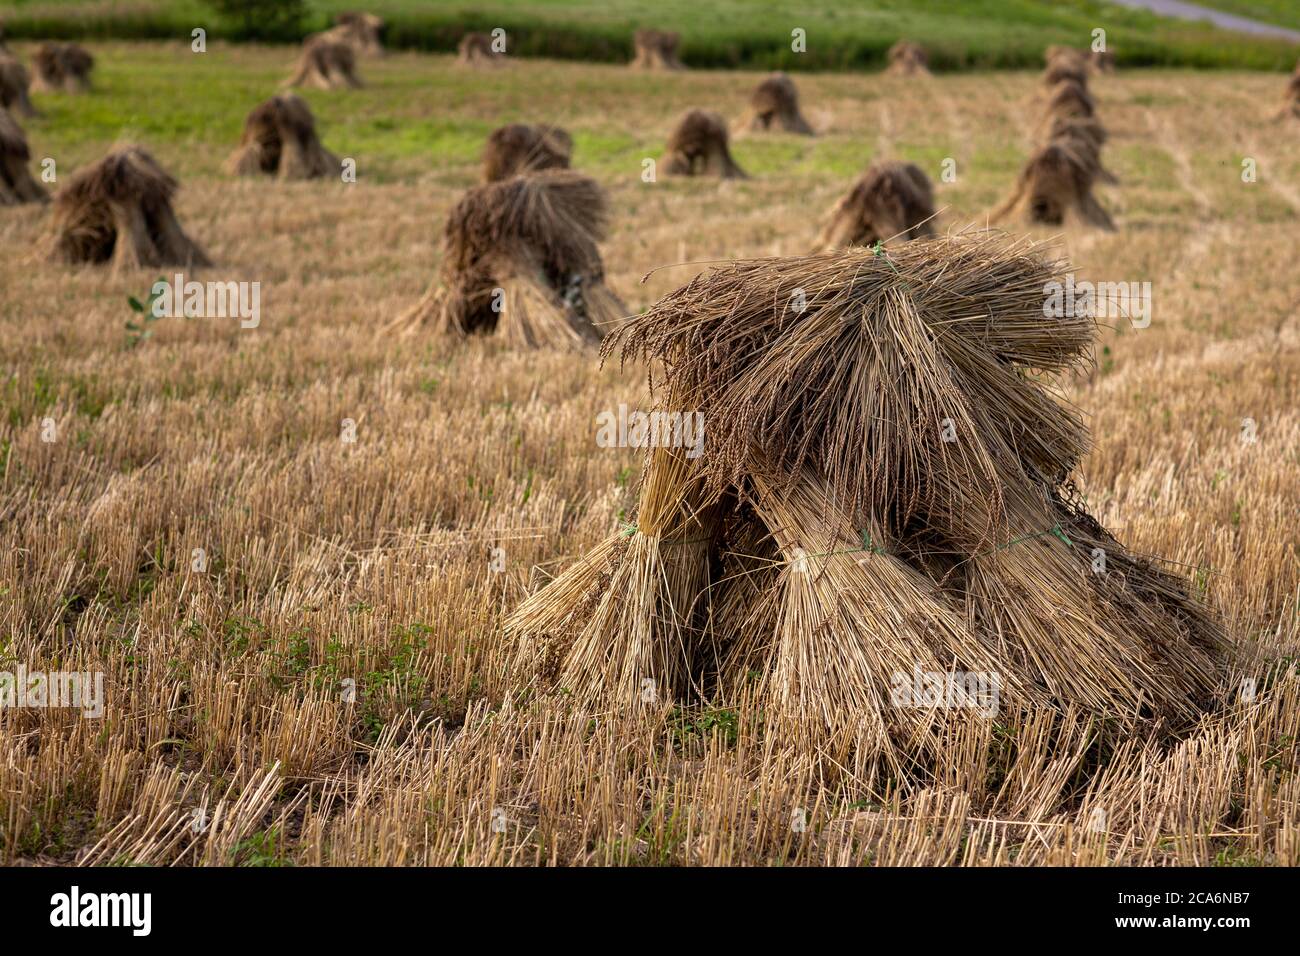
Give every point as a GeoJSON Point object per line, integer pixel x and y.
{"type": "Point", "coordinates": [137, 330]}
{"type": "Point", "coordinates": [261, 849]}
{"type": "Point", "coordinates": [691, 726]}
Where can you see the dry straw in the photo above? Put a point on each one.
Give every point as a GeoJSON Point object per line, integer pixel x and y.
{"type": "Point", "coordinates": [699, 145]}
{"type": "Point", "coordinates": [279, 139]}
{"type": "Point", "coordinates": [884, 492]}
{"type": "Point", "coordinates": [1056, 184]}
{"type": "Point", "coordinates": [1087, 135]}
{"type": "Point", "coordinates": [364, 32]}
{"type": "Point", "coordinates": [521, 261]}
{"type": "Point", "coordinates": [519, 148]}
{"type": "Point", "coordinates": [119, 211]}
{"type": "Point", "coordinates": [656, 50]}
{"type": "Point", "coordinates": [1063, 54]}
{"type": "Point", "coordinates": [475, 49]}
{"type": "Point", "coordinates": [15, 82]}
{"type": "Point", "coordinates": [774, 105]}
{"type": "Point", "coordinates": [907, 58]}
{"type": "Point", "coordinates": [62, 68]}
{"type": "Point", "coordinates": [16, 182]}
{"type": "Point", "coordinates": [326, 63]}
{"type": "Point", "coordinates": [1066, 69]}
{"type": "Point", "coordinates": [1102, 61]}
{"type": "Point", "coordinates": [1070, 98]}
{"type": "Point", "coordinates": [890, 199]}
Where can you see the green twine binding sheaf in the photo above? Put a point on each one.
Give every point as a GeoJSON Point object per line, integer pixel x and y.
{"type": "Point", "coordinates": [1055, 531]}
{"type": "Point", "coordinates": [630, 529]}
{"type": "Point", "coordinates": [879, 250]}
{"type": "Point", "coordinates": [868, 547]}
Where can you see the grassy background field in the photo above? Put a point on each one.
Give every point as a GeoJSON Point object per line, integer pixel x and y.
{"type": "Point", "coordinates": [1282, 13]}
{"type": "Point", "coordinates": [369, 561]}
{"type": "Point", "coordinates": [958, 34]}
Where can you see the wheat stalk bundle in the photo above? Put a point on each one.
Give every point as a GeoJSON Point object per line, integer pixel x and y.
{"type": "Point", "coordinates": [656, 50]}
{"type": "Point", "coordinates": [1056, 185]}
{"type": "Point", "coordinates": [15, 82]}
{"type": "Point", "coordinates": [519, 148]}
{"type": "Point", "coordinates": [773, 105]}
{"type": "Point", "coordinates": [1069, 98]}
{"type": "Point", "coordinates": [521, 261]}
{"type": "Point", "coordinates": [884, 492]}
{"type": "Point", "coordinates": [475, 49]}
{"type": "Point", "coordinates": [119, 210]}
{"type": "Point", "coordinates": [62, 68]}
{"type": "Point", "coordinates": [364, 32]}
{"type": "Point", "coordinates": [279, 139]}
{"type": "Point", "coordinates": [890, 199]}
{"type": "Point", "coordinates": [907, 58]}
{"type": "Point", "coordinates": [699, 145]}
{"type": "Point", "coordinates": [16, 182]}
{"type": "Point", "coordinates": [327, 62]}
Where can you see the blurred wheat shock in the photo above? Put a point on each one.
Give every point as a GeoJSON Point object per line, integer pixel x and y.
{"type": "Point", "coordinates": [292, 553]}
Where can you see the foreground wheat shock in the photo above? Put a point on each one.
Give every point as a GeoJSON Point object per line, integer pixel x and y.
{"type": "Point", "coordinates": [624, 435]}
{"type": "Point", "coordinates": [926, 527]}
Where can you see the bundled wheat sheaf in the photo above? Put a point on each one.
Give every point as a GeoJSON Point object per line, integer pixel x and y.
{"type": "Point", "coordinates": [1056, 184]}
{"type": "Point", "coordinates": [1070, 98]}
{"type": "Point", "coordinates": [884, 491]}
{"type": "Point", "coordinates": [1064, 69]}
{"type": "Point", "coordinates": [1089, 136]}
{"type": "Point", "coordinates": [1103, 61]}
{"type": "Point", "coordinates": [700, 145]}
{"type": "Point", "coordinates": [520, 148]}
{"type": "Point", "coordinates": [362, 31]}
{"type": "Point", "coordinates": [15, 82]}
{"type": "Point", "coordinates": [908, 59]}
{"type": "Point", "coordinates": [656, 50]}
{"type": "Point", "coordinates": [16, 182]}
{"type": "Point", "coordinates": [326, 63]}
{"type": "Point", "coordinates": [62, 68]}
{"type": "Point", "coordinates": [279, 139]}
{"type": "Point", "coordinates": [890, 199]}
{"type": "Point", "coordinates": [119, 211]}
{"type": "Point", "coordinates": [475, 49]}
{"type": "Point", "coordinates": [521, 261]}
{"type": "Point", "coordinates": [1057, 54]}
{"type": "Point", "coordinates": [775, 105]}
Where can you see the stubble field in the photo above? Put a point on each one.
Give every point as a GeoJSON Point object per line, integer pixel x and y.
{"type": "Point", "coordinates": [367, 561]}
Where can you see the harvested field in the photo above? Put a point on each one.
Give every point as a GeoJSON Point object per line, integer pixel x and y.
{"type": "Point", "coordinates": [241, 526]}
